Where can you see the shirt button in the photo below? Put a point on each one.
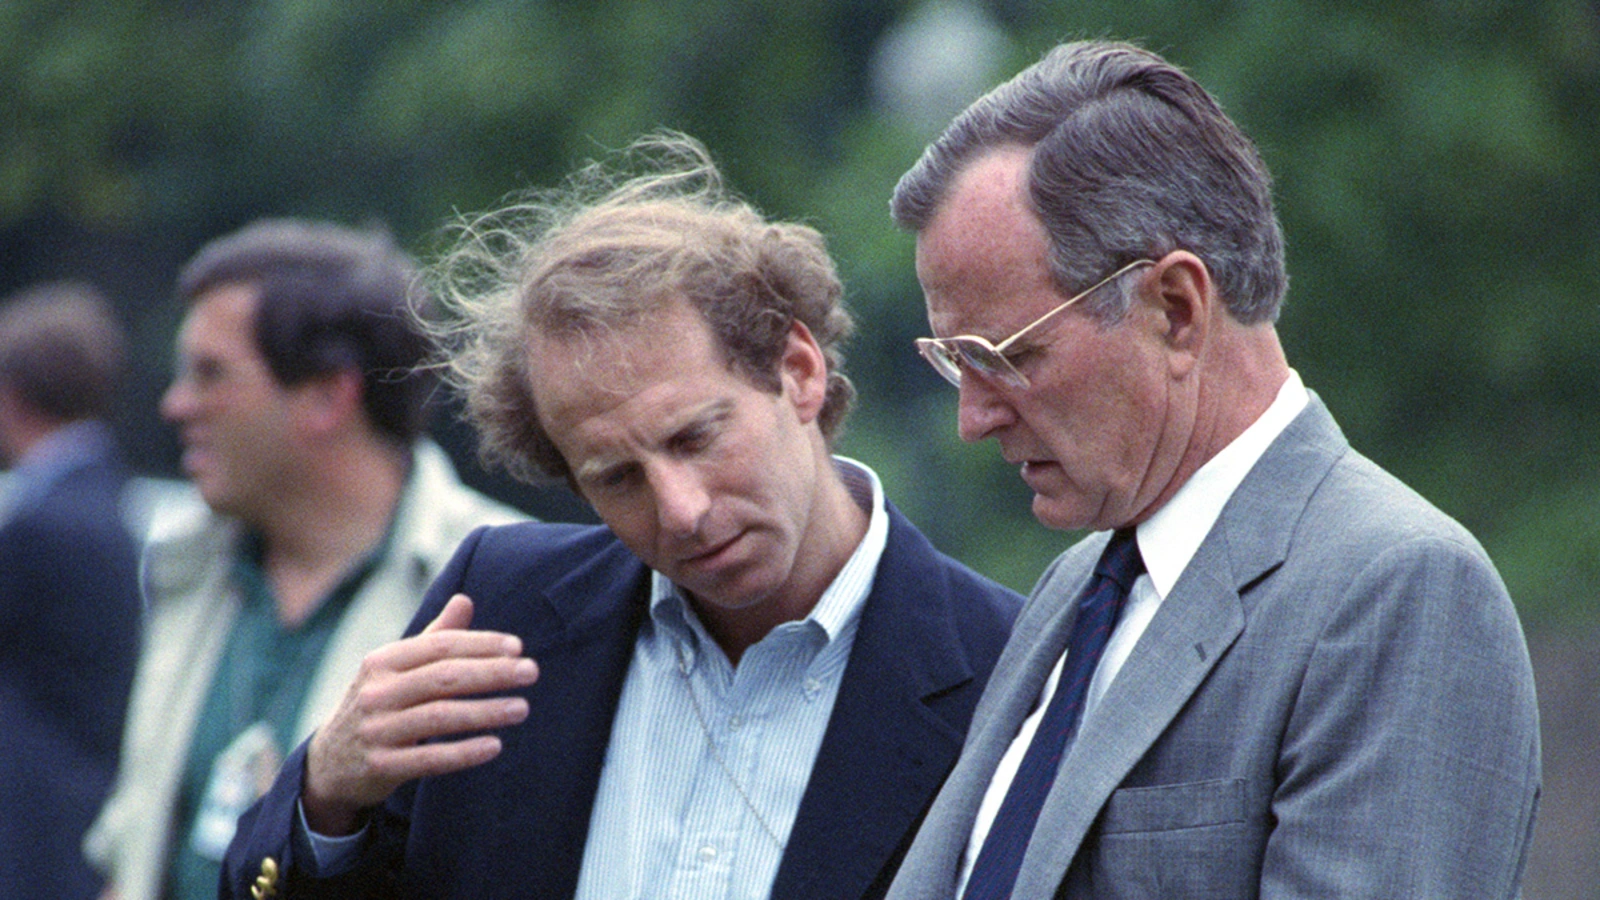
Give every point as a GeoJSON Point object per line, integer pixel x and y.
{"type": "Point", "coordinates": [735, 722]}
{"type": "Point", "coordinates": [708, 853]}
{"type": "Point", "coordinates": [812, 687]}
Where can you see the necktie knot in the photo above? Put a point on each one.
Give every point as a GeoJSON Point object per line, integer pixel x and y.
{"type": "Point", "coordinates": [1121, 561]}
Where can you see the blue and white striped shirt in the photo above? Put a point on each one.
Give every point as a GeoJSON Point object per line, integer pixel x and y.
{"type": "Point", "coordinates": [707, 763]}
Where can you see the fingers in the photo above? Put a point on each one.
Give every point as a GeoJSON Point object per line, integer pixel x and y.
{"type": "Point", "coordinates": [442, 718]}
{"type": "Point", "coordinates": [445, 637]}
{"type": "Point", "coordinates": [448, 677]}
{"type": "Point", "coordinates": [398, 765]}
{"type": "Point", "coordinates": [418, 707]}
{"type": "Point", "coordinates": [457, 614]}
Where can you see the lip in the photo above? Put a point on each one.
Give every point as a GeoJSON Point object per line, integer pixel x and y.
{"type": "Point", "coordinates": [1034, 469]}
{"type": "Point", "coordinates": [1035, 463]}
{"type": "Point", "coordinates": [710, 558]}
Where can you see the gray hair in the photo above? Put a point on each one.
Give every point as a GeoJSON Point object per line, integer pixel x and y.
{"type": "Point", "coordinates": [606, 251]}
{"type": "Point", "coordinates": [1130, 158]}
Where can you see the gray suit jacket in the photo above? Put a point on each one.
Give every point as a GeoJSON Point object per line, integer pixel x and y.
{"type": "Point", "coordinates": [1335, 700]}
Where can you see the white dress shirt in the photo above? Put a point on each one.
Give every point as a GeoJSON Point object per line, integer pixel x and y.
{"type": "Point", "coordinates": [1167, 542]}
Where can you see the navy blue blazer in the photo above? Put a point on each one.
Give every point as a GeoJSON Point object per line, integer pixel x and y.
{"type": "Point", "coordinates": [929, 634]}
{"type": "Point", "coordinates": [69, 616]}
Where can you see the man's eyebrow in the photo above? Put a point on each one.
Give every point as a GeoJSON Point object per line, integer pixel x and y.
{"type": "Point", "coordinates": [590, 469]}
{"type": "Point", "coordinates": [716, 410]}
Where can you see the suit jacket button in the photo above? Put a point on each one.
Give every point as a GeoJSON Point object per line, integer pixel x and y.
{"type": "Point", "coordinates": [267, 882]}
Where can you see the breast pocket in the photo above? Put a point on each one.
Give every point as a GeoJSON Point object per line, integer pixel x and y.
{"type": "Point", "coordinates": [1178, 840]}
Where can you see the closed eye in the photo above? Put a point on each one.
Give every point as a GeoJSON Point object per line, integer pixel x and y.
{"type": "Point", "coordinates": [613, 478]}
{"type": "Point", "coordinates": [697, 436]}
{"type": "Point", "coordinates": [1020, 354]}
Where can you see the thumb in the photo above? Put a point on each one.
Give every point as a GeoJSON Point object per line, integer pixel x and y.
{"type": "Point", "coordinates": [457, 614]}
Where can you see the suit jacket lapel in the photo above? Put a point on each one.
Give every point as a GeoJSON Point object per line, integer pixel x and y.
{"type": "Point", "coordinates": [1194, 627]}
{"type": "Point", "coordinates": [587, 625]}
{"type": "Point", "coordinates": [888, 745]}
{"type": "Point", "coordinates": [1181, 645]}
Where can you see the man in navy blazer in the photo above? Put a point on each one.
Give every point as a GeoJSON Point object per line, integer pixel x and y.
{"type": "Point", "coordinates": [1316, 685]}
{"type": "Point", "coordinates": [69, 595]}
{"type": "Point", "coordinates": [749, 683]}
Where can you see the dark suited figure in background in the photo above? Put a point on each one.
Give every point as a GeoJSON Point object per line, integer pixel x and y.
{"type": "Point", "coordinates": [1314, 684]}
{"type": "Point", "coordinates": [749, 684]}
{"type": "Point", "coordinates": [69, 597]}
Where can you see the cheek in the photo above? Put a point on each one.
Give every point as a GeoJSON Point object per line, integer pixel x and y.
{"type": "Point", "coordinates": [629, 520]}
{"type": "Point", "coordinates": [1092, 422]}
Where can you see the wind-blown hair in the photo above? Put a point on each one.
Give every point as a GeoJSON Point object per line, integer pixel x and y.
{"type": "Point", "coordinates": [605, 251]}
{"type": "Point", "coordinates": [1131, 158]}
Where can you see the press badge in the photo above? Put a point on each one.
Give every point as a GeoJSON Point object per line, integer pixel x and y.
{"type": "Point", "coordinates": [239, 776]}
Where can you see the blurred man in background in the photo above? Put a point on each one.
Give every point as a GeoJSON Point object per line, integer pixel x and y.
{"type": "Point", "coordinates": [750, 683]}
{"type": "Point", "coordinates": [300, 412]}
{"type": "Point", "coordinates": [1288, 675]}
{"type": "Point", "coordinates": [69, 597]}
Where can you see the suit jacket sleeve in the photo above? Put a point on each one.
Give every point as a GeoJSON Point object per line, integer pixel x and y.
{"type": "Point", "coordinates": [266, 830]}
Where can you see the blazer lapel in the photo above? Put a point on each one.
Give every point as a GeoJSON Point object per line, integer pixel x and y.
{"type": "Point", "coordinates": [931, 866]}
{"type": "Point", "coordinates": [1194, 626]}
{"type": "Point", "coordinates": [887, 746]}
{"type": "Point", "coordinates": [581, 630]}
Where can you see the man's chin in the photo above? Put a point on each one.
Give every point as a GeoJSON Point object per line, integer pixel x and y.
{"type": "Point", "coordinates": [219, 500]}
{"type": "Point", "coordinates": [1055, 515]}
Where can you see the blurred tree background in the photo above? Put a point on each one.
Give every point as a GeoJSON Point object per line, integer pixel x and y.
{"type": "Point", "coordinates": [1437, 163]}
{"type": "Point", "coordinates": [1438, 169]}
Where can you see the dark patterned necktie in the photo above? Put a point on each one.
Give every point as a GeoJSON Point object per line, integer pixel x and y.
{"type": "Point", "coordinates": [995, 870]}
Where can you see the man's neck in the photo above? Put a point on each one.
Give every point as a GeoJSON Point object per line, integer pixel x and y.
{"type": "Point", "coordinates": [1239, 381]}
{"type": "Point", "coordinates": [319, 532]}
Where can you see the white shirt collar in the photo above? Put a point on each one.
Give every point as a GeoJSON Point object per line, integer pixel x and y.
{"type": "Point", "coordinates": [1170, 537]}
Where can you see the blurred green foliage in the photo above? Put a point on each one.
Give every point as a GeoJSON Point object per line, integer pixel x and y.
{"type": "Point", "coordinates": [1438, 168]}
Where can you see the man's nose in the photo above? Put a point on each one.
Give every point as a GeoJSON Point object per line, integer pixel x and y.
{"type": "Point", "coordinates": [178, 401]}
{"type": "Point", "coordinates": [981, 408]}
{"type": "Point", "coordinates": [682, 499]}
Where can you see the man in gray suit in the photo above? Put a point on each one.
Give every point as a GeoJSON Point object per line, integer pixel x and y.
{"type": "Point", "coordinates": [1317, 685]}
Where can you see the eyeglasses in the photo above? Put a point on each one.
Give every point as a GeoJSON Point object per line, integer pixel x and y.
{"type": "Point", "coordinates": [949, 356]}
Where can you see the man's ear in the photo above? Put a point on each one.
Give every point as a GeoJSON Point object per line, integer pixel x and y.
{"type": "Point", "coordinates": [327, 402]}
{"type": "Point", "coordinates": [803, 370]}
{"type": "Point", "coordinates": [1179, 287]}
